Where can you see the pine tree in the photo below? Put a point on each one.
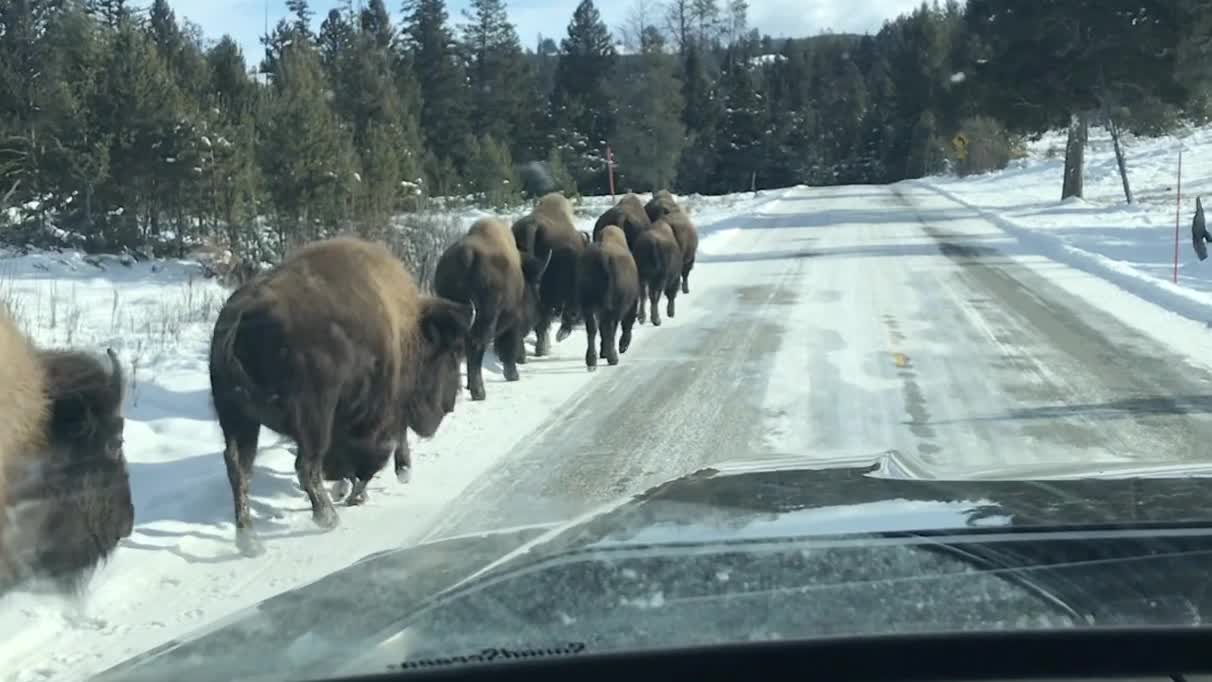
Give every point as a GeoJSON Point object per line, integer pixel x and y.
{"type": "Point", "coordinates": [445, 98]}
{"type": "Point", "coordinates": [376, 22]}
{"type": "Point", "coordinates": [307, 158]}
{"type": "Point", "coordinates": [744, 128]}
{"type": "Point", "coordinates": [582, 102]}
{"type": "Point", "coordinates": [506, 99]}
{"type": "Point", "coordinates": [650, 135]}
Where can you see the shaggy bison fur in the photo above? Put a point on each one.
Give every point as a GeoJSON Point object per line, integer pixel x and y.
{"type": "Point", "coordinates": [628, 214]}
{"type": "Point", "coordinates": [336, 349]}
{"type": "Point", "coordinates": [550, 229]}
{"type": "Point", "coordinates": [658, 260]}
{"type": "Point", "coordinates": [662, 206]}
{"type": "Point", "coordinates": [485, 268]}
{"type": "Point", "coordinates": [63, 477]}
{"type": "Point", "coordinates": [608, 289]}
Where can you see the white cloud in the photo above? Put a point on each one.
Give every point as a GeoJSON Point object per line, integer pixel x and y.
{"type": "Point", "coordinates": [245, 19]}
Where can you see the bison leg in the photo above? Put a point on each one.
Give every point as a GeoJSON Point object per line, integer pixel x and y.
{"type": "Point", "coordinates": [314, 429]}
{"type": "Point", "coordinates": [671, 295]}
{"type": "Point", "coordinates": [591, 336]}
{"type": "Point", "coordinates": [505, 347]}
{"type": "Point", "coordinates": [240, 434]}
{"type": "Point", "coordinates": [686, 277]}
{"type": "Point", "coordinates": [568, 321]}
{"type": "Point", "coordinates": [610, 327]}
{"type": "Point", "coordinates": [642, 316]}
{"type": "Point", "coordinates": [520, 351]}
{"type": "Point", "coordinates": [340, 489]}
{"type": "Point", "coordinates": [654, 299]}
{"type": "Point", "coordinates": [403, 460]}
{"type": "Point", "coordinates": [475, 369]}
{"type": "Point", "coordinates": [542, 335]}
{"type": "Point", "coordinates": [357, 495]}
{"type": "Point", "coordinates": [628, 322]}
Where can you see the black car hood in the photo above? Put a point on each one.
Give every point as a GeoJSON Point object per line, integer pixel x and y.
{"type": "Point", "coordinates": [744, 552]}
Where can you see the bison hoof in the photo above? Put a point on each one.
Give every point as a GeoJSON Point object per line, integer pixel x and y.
{"type": "Point", "coordinates": [326, 518]}
{"type": "Point", "coordinates": [624, 343]}
{"type": "Point", "coordinates": [612, 359]}
{"type": "Point", "coordinates": [249, 544]}
{"type": "Point", "coordinates": [591, 361]}
{"type": "Point", "coordinates": [356, 500]}
{"type": "Point", "coordinates": [656, 321]}
{"type": "Point", "coordinates": [685, 287]}
{"type": "Point", "coordinates": [404, 474]}
{"type": "Point", "coordinates": [511, 374]}
{"type": "Point", "coordinates": [340, 489]}
{"type": "Point", "coordinates": [477, 393]}
{"type": "Point", "coordinates": [564, 333]}
{"type": "Point", "coordinates": [669, 312]}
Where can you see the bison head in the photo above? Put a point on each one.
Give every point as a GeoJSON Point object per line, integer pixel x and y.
{"type": "Point", "coordinates": [444, 326]}
{"type": "Point", "coordinates": [86, 405]}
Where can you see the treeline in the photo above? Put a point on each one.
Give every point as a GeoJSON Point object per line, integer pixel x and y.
{"type": "Point", "coordinates": [122, 128]}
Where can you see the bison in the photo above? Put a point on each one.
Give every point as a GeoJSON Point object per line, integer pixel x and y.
{"type": "Point", "coordinates": [550, 229]}
{"type": "Point", "coordinates": [663, 207]}
{"type": "Point", "coordinates": [336, 349]}
{"type": "Point", "coordinates": [485, 268]}
{"type": "Point", "coordinates": [658, 260]}
{"type": "Point", "coordinates": [628, 214]}
{"type": "Point", "coordinates": [64, 483]}
{"type": "Point", "coordinates": [608, 289]}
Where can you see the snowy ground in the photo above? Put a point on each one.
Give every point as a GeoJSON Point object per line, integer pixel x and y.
{"type": "Point", "coordinates": [179, 569]}
{"type": "Point", "coordinates": [977, 327]}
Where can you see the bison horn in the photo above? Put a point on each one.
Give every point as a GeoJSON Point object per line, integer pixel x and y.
{"type": "Point", "coordinates": [115, 371]}
{"type": "Point", "coordinates": [472, 322]}
{"type": "Point", "coordinates": [546, 262]}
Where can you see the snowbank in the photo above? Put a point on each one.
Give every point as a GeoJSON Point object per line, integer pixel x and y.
{"type": "Point", "coordinates": [1129, 245]}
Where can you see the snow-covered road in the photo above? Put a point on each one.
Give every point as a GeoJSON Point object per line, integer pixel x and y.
{"type": "Point", "coordinates": [822, 322]}
{"type": "Point", "coordinates": [846, 321]}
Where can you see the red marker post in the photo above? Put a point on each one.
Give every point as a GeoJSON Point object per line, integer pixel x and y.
{"type": "Point", "coordinates": [1178, 210]}
{"type": "Point", "coordinates": [610, 170]}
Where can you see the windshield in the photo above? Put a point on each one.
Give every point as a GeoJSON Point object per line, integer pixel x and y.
{"type": "Point", "coordinates": [402, 330]}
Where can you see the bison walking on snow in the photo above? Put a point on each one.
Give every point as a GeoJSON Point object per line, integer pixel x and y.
{"type": "Point", "coordinates": [608, 289]}
{"type": "Point", "coordinates": [64, 484]}
{"type": "Point", "coordinates": [658, 260]}
{"type": "Point", "coordinates": [629, 214]}
{"type": "Point", "coordinates": [486, 268]}
{"type": "Point", "coordinates": [336, 349]}
{"type": "Point", "coordinates": [550, 229]}
{"type": "Point", "coordinates": [662, 206]}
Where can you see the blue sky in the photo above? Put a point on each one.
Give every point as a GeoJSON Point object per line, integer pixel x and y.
{"type": "Point", "coordinates": [245, 19]}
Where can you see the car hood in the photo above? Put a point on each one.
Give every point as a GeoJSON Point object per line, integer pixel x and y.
{"type": "Point", "coordinates": [841, 531]}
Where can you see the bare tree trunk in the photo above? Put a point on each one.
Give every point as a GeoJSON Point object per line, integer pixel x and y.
{"type": "Point", "coordinates": [1075, 157]}
{"type": "Point", "coordinates": [1119, 157]}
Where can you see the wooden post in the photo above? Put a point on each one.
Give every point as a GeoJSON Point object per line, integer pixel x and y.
{"type": "Point", "coordinates": [1178, 209]}
{"type": "Point", "coordinates": [610, 170]}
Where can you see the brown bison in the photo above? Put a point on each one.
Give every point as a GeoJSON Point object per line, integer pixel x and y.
{"type": "Point", "coordinates": [485, 268]}
{"type": "Point", "coordinates": [662, 206]}
{"type": "Point", "coordinates": [658, 260]}
{"type": "Point", "coordinates": [608, 289]}
{"type": "Point", "coordinates": [64, 484]}
{"type": "Point", "coordinates": [628, 214]}
{"type": "Point", "coordinates": [336, 349]}
{"type": "Point", "coordinates": [550, 229]}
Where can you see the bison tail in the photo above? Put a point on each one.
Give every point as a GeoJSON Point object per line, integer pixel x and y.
{"type": "Point", "coordinates": [229, 349]}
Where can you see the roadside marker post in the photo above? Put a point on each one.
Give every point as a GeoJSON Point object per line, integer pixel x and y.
{"type": "Point", "coordinates": [610, 170]}
{"type": "Point", "coordinates": [1178, 209]}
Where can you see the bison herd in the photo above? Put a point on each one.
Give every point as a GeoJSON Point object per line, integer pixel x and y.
{"type": "Point", "coordinates": [338, 349]}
